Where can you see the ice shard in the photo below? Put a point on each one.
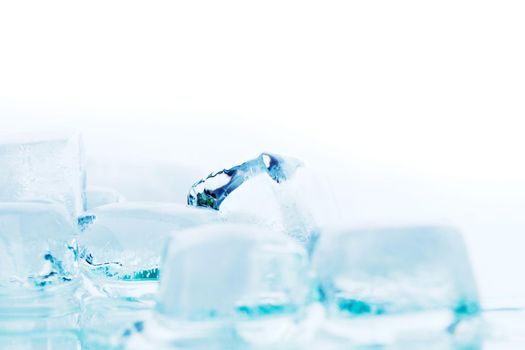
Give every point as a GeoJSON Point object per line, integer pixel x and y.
{"type": "Point", "coordinates": [213, 190]}
{"type": "Point", "coordinates": [260, 191]}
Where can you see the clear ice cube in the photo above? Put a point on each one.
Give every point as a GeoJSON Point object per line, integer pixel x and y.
{"type": "Point", "coordinates": [37, 246]}
{"type": "Point", "coordinates": [262, 191]}
{"type": "Point", "coordinates": [38, 277]}
{"type": "Point", "coordinates": [44, 168]}
{"type": "Point", "coordinates": [125, 242]}
{"type": "Point", "coordinates": [395, 270]}
{"type": "Point", "coordinates": [245, 280]}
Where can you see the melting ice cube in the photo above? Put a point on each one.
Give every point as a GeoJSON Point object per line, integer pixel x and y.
{"type": "Point", "coordinates": [395, 270]}
{"type": "Point", "coordinates": [392, 281]}
{"type": "Point", "coordinates": [44, 168]}
{"type": "Point", "coordinates": [120, 253]}
{"type": "Point", "coordinates": [267, 196]}
{"type": "Point", "coordinates": [37, 246]}
{"type": "Point", "coordinates": [232, 272]}
{"type": "Point", "coordinates": [126, 240]}
{"type": "Point", "coordinates": [38, 277]}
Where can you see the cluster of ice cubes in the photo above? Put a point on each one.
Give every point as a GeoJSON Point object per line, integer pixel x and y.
{"type": "Point", "coordinates": [244, 265]}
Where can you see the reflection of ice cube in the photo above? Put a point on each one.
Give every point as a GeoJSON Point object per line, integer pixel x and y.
{"type": "Point", "coordinates": [254, 280]}
{"type": "Point", "coordinates": [389, 273]}
{"type": "Point", "coordinates": [105, 321]}
{"type": "Point", "coordinates": [98, 196]}
{"type": "Point", "coordinates": [44, 169]}
{"type": "Point", "coordinates": [125, 242]}
{"type": "Point", "coordinates": [52, 340]}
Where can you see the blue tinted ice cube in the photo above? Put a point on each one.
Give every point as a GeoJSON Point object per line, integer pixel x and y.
{"type": "Point", "coordinates": [232, 272]}
{"type": "Point", "coordinates": [227, 286]}
{"type": "Point", "coordinates": [395, 270]}
{"type": "Point", "coordinates": [37, 245]}
{"type": "Point", "coordinates": [396, 286]}
{"type": "Point", "coordinates": [38, 277]}
{"type": "Point", "coordinates": [44, 168]}
{"type": "Point", "coordinates": [121, 249]}
{"type": "Point", "coordinates": [231, 286]}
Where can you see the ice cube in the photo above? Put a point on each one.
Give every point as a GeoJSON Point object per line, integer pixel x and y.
{"type": "Point", "coordinates": [232, 272]}
{"type": "Point", "coordinates": [269, 196]}
{"type": "Point", "coordinates": [121, 249]}
{"type": "Point", "coordinates": [44, 168]}
{"type": "Point", "coordinates": [377, 277]}
{"type": "Point", "coordinates": [98, 196]}
{"type": "Point", "coordinates": [38, 277]}
{"type": "Point", "coordinates": [37, 245]}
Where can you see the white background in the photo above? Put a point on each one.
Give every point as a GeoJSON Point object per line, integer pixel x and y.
{"type": "Point", "coordinates": [414, 108]}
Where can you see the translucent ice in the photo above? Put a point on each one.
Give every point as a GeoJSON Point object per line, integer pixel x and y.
{"type": "Point", "coordinates": [395, 270]}
{"type": "Point", "coordinates": [105, 321]}
{"type": "Point", "coordinates": [44, 168]}
{"type": "Point", "coordinates": [38, 277]}
{"type": "Point", "coordinates": [213, 190]}
{"type": "Point", "coordinates": [269, 198]}
{"type": "Point", "coordinates": [37, 245]}
{"type": "Point", "coordinates": [232, 272]}
{"type": "Point", "coordinates": [125, 241]}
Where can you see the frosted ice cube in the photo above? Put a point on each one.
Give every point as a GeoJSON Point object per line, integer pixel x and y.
{"type": "Point", "coordinates": [232, 272]}
{"type": "Point", "coordinates": [269, 196]}
{"type": "Point", "coordinates": [395, 270]}
{"type": "Point", "coordinates": [382, 284]}
{"type": "Point", "coordinates": [99, 196]}
{"type": "Point", "coordinates": [44, 168]}
{"type": "Point", "coordinates": [37, 245]}
{"type": "Point", "coordinates": [38, 277]}
{"type": "Point", "coordinates": [125, 242]}
{"type": "Point", "coordinates": [227, 286]}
